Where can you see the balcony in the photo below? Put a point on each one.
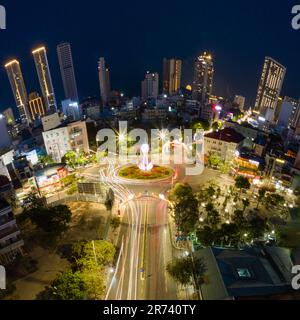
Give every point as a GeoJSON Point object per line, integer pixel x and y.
{"type": "Point", "coordinates": [7, 223]}
{"type": "Point", "coordinates": [12, 246]}
{"type": "Point", "coordinates": [9, 233]}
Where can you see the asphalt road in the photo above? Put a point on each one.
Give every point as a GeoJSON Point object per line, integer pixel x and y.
{"type": "Point", "coordinates": [146, 250]}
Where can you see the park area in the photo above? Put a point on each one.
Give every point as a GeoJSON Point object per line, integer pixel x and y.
{"type": "Point", "coordinates": [47, 257]}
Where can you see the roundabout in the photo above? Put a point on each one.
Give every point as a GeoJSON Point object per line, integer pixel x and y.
{"type": "Point", "coordinates": [157, 173]}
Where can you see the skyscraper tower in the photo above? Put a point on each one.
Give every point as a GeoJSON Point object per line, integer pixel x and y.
{"type": "Point", "coordinates": [171, 75]}
{"type": "Point", "coordinates": [269, 88]}
{"type": "Point", "coordinates": [203, 77]}
{"type": "Point", "coordinates": [65, 59]}
{"type": "Point", "coordinates": [43, 71]}
{"type": "Point", "coordinates": [18, 87]}
{"type": "Point", "coordinates": [150, 86]}
{"type": "Point", "coordinates": [104, 79]}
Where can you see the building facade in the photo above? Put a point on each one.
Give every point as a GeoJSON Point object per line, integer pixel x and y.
{"type": "Point", "coordinates": [269, 88]}
{"type": "Point", "coordinates": [51, 121]}
{"type": "Point", "coordinates": [203, 77]}
{"type": "Point", "coordinates": [65, 59]}
{"type": "Point", "coordinates": [44, 75]}
{"type": "Point", "coordinates": [240, 101]}
{"type": "Point", "coordinates": [289, 113]}
{"type": "Point", "coordinates": [71, 110]}
{"type": "Point", "coordinates": [104, 79]}
{"type": "Point", "coordinates": [36, 106]}
{"type": "Point", "coordinates": [171, 75]}
{"type": "Point", "coordinates": [224, 143]}
{"type": "Point", "coordinates": [72, 137]}
{"type": "Point", "coordinates": [150, 86]}
{"type": "Point", "coordinates": [17, 84]}
{"type": "Point", "coordinates": [9, 116]}
{"type": "Point", "coordinates": [11, 243]}
{"type": "Point", "coordinates": [5, 140]}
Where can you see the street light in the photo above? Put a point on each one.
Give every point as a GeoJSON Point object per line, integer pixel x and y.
{"type": "Point", "coordinates": [111, 270]}
{"type": "Point", "coordinates": [162, 197]}
{"type": "Point", "coordinates": [130, 197]}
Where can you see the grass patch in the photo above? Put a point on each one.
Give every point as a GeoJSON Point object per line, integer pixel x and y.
{"type": "Point", "coordinates": [134, 172]}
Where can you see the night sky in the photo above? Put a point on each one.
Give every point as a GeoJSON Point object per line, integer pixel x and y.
{"type": "Point", "coordinates": [134, 36]}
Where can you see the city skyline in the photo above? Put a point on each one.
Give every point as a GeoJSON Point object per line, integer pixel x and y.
{"type": "Point", "coordinates": [240, 68]}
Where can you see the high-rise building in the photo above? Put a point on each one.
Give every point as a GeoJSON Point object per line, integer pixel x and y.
{"type": "Point", "coordinates": [150, 86]}
{"type": "Point", "coordinates": [71, 109]}
{"type": "Point", "coordinates": [240, 101]}
{"type": "Point", "coordinates": [43, 71]}
{"type": "Point", "coordinates": [289, 114]}
{"type": "Point", "coordinates": [269, 88]}
{"type": "Point", "coordinates": [67, 71]}
{"type": "Point", "coordinates": [19, 90]}
{"type": "Point", "coordinates": [203, 77]}
{"type": "Point", "coordinates": [36, 106]}
{"type": "Point", "coordinates": [5, 140]}
{"type": "Point", "coordinates": [9, 116]}
{"type": "Point", "coordinates": [171, 75]}
{"type": "Point", "coordinates": [104, 79]}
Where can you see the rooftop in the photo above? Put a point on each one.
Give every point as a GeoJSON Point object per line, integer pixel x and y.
{"type": "Point", "coordinates": [227, 135]}
{"type": "Point", "coordinates": [254, 271]}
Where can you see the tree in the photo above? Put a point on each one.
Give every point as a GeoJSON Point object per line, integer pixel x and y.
{"type": "Point", "coordinates": [214, 159]}
{"type": "Point", "coordinates": [242, 183]}
{"type": "Point", "coordinates": [257, 227]}
{"type": "Point", "coordinates": [180, 191]}
{"type": "Point", "coordinates": [205, 236]}
{"type": "Point", "coordinates": [275, 200]}
{"type": "Point", "coordinates": [85, 253]}
{"type": "Point", "coordinates": [185, 269]}
{"type": "Point", "coordinates": [70, 158]}
{"type": "Point", "coordinates": [110, 199]}
{"type": "Point", "coordinates": [51, 220]}
{"type": "Point", "coordinates": [181, 270]}
{"type": "Point", "coordinates": [115, 223]}
{"type": "Point", "coordinates": [246, 203]}
{"type": "Point", "coordinates": [201, 125]}
{"type": "Point", "coordinates": [91, 259]}
{"type": "Point", "coordinates": [238, 218]}
{"type": "Point", "coordinates": [69, 285]}
{"type": "Point", "coordinates": [45, 160]}
{"type": "Point", "coordinates": [213, 216]}
{"type": "Point", "coordinates": [261, 195]}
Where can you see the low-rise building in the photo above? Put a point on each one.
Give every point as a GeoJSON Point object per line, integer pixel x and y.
{"type": "Point", "coordinates": [11, 243]}
{"type": "Point", "coordinates": [155, 114]}
{"type": "Point", "coordinates": [252, 272]}
{"type": "Point", "coordinates": [224, 143]}
{"type": "Point", "coordinates": [51, 121]}
{"type": "Point", "coordinates": [59, 141]}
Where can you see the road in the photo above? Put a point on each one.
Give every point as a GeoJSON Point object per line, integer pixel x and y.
{"type": "Point", "coordinates": [146, 250]}
{"type": "Point", "coordinates": [144, 239]}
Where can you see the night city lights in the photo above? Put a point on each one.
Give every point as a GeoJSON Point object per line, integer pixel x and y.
{"type": "Point", "coordinates": [149, 157]}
